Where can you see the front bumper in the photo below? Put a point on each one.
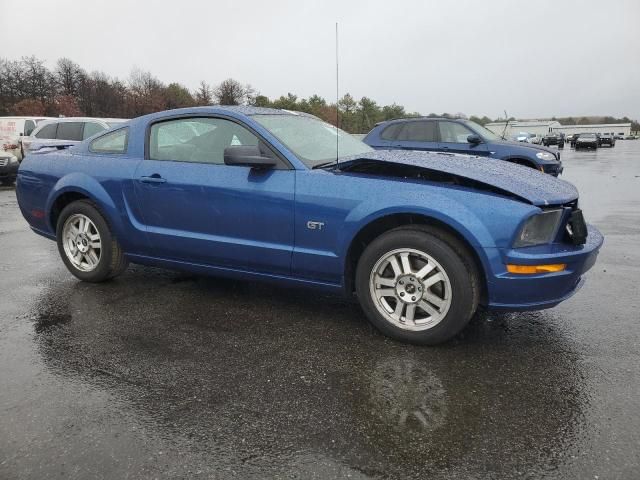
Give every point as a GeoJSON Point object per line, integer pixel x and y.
{"type": "Point", "coordinates": [8, 167]}
{"type": "Point", "coordinates": [586, 144]}
{"type": "Point", "coordinates": [554, 169]}
{"type": "Point", "coordinates": [508, 291]}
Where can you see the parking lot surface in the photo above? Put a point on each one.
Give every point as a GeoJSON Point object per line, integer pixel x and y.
{"type": "Point", "coordinates": [159, 374]}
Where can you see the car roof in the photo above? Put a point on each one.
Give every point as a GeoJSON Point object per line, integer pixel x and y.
{"type": "Point", "coordinates": [85, 119]}
{"type": "Point", "coordinates": [417, 119]}
{"type": "Point", "coordinates": [230, 110]}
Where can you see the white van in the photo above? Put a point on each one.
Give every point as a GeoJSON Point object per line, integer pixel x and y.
{"type": "Point", "coordinates": [12, 128]}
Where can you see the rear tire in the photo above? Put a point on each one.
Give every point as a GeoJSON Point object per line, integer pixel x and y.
{"type": "Point", "coordinates": [417, 284]}
{"type": "Point", "coordinates": [85, 242]}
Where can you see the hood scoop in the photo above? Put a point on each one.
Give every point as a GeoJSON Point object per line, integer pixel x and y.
{"type": "Point", "coordinates": [499, 176]}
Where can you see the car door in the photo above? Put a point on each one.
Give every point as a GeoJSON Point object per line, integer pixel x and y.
{"type": "Point", "coordinates": [199, 210]}
{"type": "Point", "coordinates": [453, 139]}
{"type": "Point", "coordinates": [417, 135]}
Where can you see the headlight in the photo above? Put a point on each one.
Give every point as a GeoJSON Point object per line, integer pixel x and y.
{"type": "Point", "coordinates": [545, 156]}
{"type": "Point", "coordinates": [539, 229]}
{"type": "Point", "coordinates": [13, 160]}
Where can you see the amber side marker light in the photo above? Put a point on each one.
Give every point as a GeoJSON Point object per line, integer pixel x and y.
{"type": "Point", "coordinates": [530, 269]}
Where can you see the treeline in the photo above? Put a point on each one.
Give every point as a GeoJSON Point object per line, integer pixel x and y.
{"type": "Point", "coordinates": [28, 87]}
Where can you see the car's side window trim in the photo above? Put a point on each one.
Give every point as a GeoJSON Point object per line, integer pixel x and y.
{"type": "Point", "coordinates": [112, 152]}
{"type": "Point", "coordinates": [285, 164]}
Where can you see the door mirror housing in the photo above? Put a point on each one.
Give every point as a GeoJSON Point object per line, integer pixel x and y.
{"type": "Point", "coordinates": [474, 139]}
{"type": "Point", "coordinates": [247, 156]}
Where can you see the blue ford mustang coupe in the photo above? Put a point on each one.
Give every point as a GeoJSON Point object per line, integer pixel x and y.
{"type": "Point", "coordinates": [422, 238]}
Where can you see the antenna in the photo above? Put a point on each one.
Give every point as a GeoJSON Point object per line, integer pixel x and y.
{"type": "Point", "coordinates": [506, 124]}
{"type": "Point", "coordinates": [337, 109]}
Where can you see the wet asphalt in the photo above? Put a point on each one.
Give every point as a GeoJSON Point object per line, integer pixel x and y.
{"type": "Point", "coordinates": [159, 374]}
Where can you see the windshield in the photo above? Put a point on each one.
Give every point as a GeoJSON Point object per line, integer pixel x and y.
{"type": "Point", "coordinates": [113, 123]}
{"type": "Point", "coordinates": [310, 139]}
{"type": "Point", "coordinates": [483, 132]}
{"type": "Point", "coordinates": [587, 135]}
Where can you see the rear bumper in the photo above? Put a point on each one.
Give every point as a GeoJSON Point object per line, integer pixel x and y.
{"type": "Point", "coordinates": [507, 291]}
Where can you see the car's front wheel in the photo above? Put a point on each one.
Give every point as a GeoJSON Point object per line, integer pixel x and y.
{"type": "Point", "coordinates": [86, 244]}
{"type": "Point", "coordinates": [417, 284]}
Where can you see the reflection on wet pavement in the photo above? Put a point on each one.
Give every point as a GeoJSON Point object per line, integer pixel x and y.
{"type": "Point", "coordinates": [162, 374]}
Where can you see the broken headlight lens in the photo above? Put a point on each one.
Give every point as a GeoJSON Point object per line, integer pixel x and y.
{"type": "Point", "coordinates": [539, 229]}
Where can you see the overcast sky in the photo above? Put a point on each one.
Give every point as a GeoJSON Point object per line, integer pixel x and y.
{"type": "Point", "coordinates": [532, 58]}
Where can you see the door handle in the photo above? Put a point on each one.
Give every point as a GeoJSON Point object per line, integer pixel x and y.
{"type": "Point", "coordinates": [155, 178]}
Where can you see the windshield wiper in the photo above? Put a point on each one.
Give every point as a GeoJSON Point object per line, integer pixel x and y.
{"type": "Point", "coordinates": [324, 164]}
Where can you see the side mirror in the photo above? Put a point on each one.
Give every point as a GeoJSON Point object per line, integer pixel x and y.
{"type": "Point", "coordinates": [474, 139]}
{"type": "Point", "coordinates": [247, 156]}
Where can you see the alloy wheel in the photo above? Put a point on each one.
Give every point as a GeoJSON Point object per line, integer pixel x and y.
{"type": "Point", "coordinates": [82, 243]}
{"type": "Point", "coordinates": [410, 289]}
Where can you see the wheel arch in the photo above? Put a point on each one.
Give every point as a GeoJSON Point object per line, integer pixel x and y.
{"type": "Point", "coordinates": [78, 186]}
{"type": "Point", "coordinates": [380, 225]}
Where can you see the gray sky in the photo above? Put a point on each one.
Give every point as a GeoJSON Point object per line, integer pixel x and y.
{"type": "Point", "coordinates": [532, 58]}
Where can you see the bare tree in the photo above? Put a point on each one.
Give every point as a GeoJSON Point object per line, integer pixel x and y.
{"type": "Point", "coordinates": [203, 95]}
{"type": "Point", "coordinates": [68, 76]}
{"type": "Point", "coordinates": [230, 92]}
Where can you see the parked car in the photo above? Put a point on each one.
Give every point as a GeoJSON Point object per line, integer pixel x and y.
{"type": "Point", "coordinates": [523, 137]}
{"type": "Point", "coordinates": [620, 136]}
{"type": "Point", "coordinates": [422, 238]}
{"type": "Point", "coordinates": [574, 139]}
{"type": "Point", "coordinates": [607, 139]}
{"type": "Point", "coordinates": [553, 138]}
{"type": "Point", "coordinates": [8, 168]}
{"type": "Point", "coordinates": [631, 137]}
{"type": "Point", "coordinates": [587, 140]}
{"type": "Point", "coordinates": [66, 131]}
{"type": "Point", "coordinates": [460, 136]}
{"type": "Point", "coordinates": [12, 129]}
{"type": "Point", "coordinates": [536, 139]}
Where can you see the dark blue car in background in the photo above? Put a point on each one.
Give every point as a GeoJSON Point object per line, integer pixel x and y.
{"type": "Point", "coordinates": [460, 136]}
{"type": "Point", "coordinates": [421, 238]}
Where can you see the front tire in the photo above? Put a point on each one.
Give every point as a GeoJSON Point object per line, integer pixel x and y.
{"type": "Point", "coordinates": [85, 242]}
{"type": "Point", "coordinates": [417, 284]}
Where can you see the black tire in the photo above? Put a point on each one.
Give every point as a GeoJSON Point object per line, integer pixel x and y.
{"type": "Point", "coordinates": [112, 261]}
{"type": "Point", "coordinates": [452, 256]}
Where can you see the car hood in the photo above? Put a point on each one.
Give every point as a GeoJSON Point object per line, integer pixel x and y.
{"type": "Point", "coordinates": [526, 183]}
{"type": "Point", "coordinates": [530, 146]}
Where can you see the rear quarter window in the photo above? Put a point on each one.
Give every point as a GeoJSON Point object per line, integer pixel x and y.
{"type": "Point", "coordinates": [91, 128]}
{"type": "Point", "coordinates": [391, 132]}
{"type": "Point", "coordinates": [48, 131]}
{"type": "Point", "coordinates": [113, 143]}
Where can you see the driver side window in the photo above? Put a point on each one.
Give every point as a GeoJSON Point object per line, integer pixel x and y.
{"type": "Point", "coordinates": [198, 140]}
{"type": "Point", "coordinates": [451, 132]}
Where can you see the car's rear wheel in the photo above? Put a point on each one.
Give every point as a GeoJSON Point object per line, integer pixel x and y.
{"type": "Point", "coordinates": [417, 284]}
{"type": "Point", "coordinates": [86, 244]}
